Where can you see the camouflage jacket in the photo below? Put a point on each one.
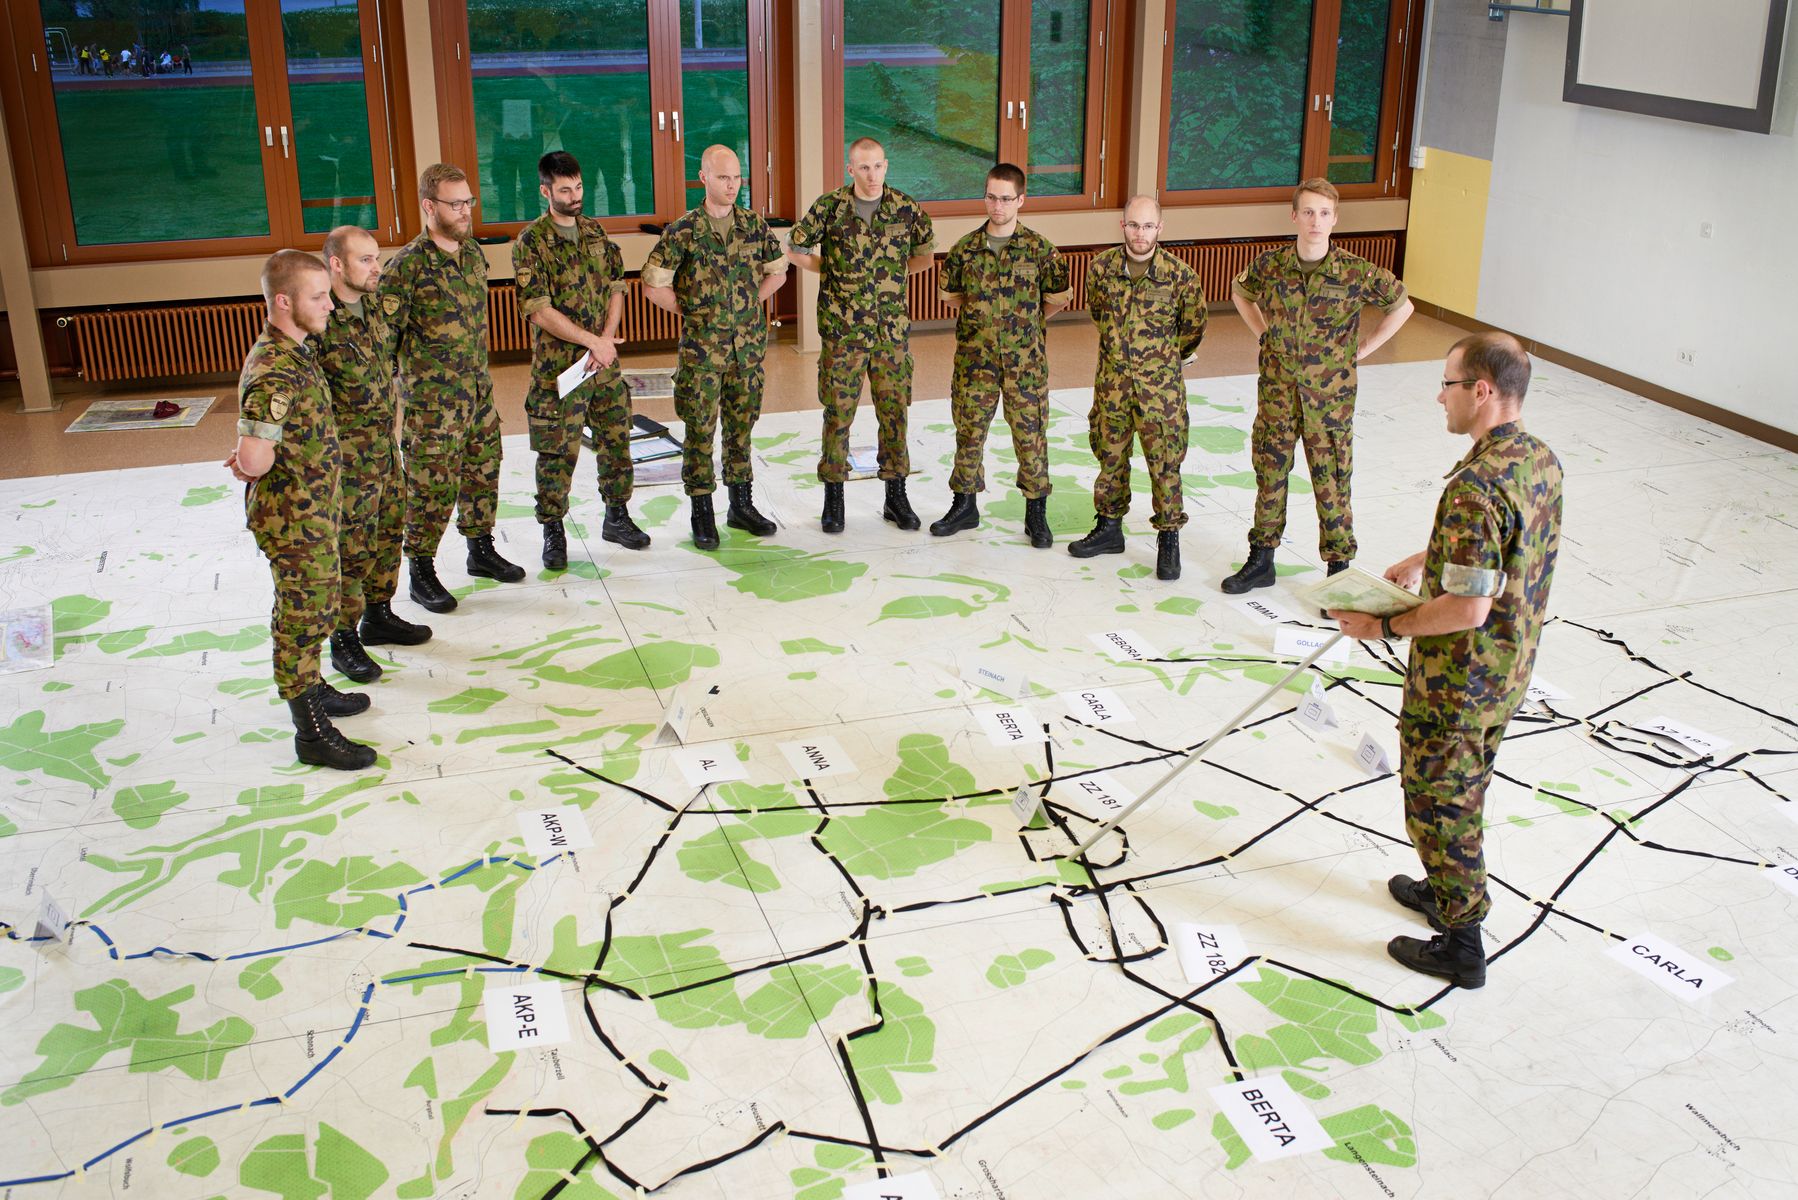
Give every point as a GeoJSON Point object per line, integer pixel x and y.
{"type": "Point", "coordinates": [1148, 327]}
{"type": "Point", "coordinates": [862, 301]}
{"type": "Point", "coordinates": [355, 352]}
{"type": "Point", "coordinates": [716, 281]}
{"type": "Point", "coordinates": [577, 277]}
{"type": "Point", "coordinates": [435, 305]}
{"type": "Point", "coordinates": [1501, 511]}
{"type": "Point", "coordinates": [1003, 294]}
{"type": "Point", "coordinates": [1314, 318]}
{"type": "Point", "coordinates": [282, 397]}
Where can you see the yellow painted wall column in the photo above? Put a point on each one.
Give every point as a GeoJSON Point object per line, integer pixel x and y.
{"type": "Point", "coordinates": [1447, 230]}
{"type": "Point", "coordinates": [21, 303]}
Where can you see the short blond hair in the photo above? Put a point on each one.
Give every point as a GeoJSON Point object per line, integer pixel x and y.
{"type": "Point", "coordinates": [435, 176]}
{"type": "Point", "coordinates": [1317, 187]}
{"type": "Point", "coordinates": [865, 143]}
{"type": "Point", "coordinates": [339, 240]}
{"type": "Point", "coordinates": [282, 273]}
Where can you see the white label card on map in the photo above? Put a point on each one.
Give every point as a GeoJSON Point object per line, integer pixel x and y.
{"type": "Point", "coordinates": [1262, 612]}
{"type": "Point", "coordinates": [1026, 803]}
{"type": "Point", "coordinates": [1696, 740]}
{"type": "Point", "coordinates": [1098, 796]}
{"type": "Point", "coordinates": [52, 922]}
{"type": "Point", "coordinates": [996, 677]}
{"type": "Point", "coordinates": [1270, 1118]}
{"type": "Point", "coordinates": [1206, 950]}
{"type": "Point", "coordinates": [553, 830]}
{"type": "Point", "coordinates": [1372, 756]}
{"type": "Point", "coordinates": [1013, 726]}
{"type": "Point", "coordinates": [1125, 644]}
{"type": "Point", "coordinates": [1292, 642]}
{"type": "Point", "coordinates": [529, 1014]}
{"type": "Point", "coordinates": [1314, 712]}
{"type": "Point", "coordinates": [1099, 706]}
{"type": "Point", "coordinates": [1544, 692]}
{"type": "Point", "coordinates": [817, 757]}
{"type": "Point", "coordinates": [917, 1186]}
{"type": "Point", "coordinates": [1786, 876]}
{"type": "Point", "coordinates": [713, 763]}
{"type": "Point", "coordinates": [1691, 977]}
{"type": "Point", "coordinates": [675, 719]}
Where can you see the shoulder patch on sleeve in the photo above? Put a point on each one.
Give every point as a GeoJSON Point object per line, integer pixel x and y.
{"type": "Point", "coordinates": [390, 305]}
{"type": "Point", "coordinates": [522, 277]}
{"type": "Point", "coordinates": [277, 407]}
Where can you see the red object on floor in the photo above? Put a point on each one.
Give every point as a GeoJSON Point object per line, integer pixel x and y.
{"type": "Point", "coordinates": [165, 409]}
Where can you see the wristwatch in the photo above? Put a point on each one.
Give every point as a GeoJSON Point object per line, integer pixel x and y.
{"type": "Point", "coordinates": [1386, 629]}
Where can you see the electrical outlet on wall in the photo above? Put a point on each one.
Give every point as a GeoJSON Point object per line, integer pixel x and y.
{"type": "Point", "coordinates": [1685, 357]}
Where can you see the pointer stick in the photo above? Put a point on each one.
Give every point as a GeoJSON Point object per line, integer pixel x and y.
{"type": "Point", "coordinates": [1223, 730]}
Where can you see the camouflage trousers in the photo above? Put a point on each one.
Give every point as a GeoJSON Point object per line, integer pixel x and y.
{"type": "Point", "coordinates": [703, 394]}
{"type": "Point", "coordinates": [453, 466]}
{"type": "Point", "coordinates": [371, 521]}
{"type": "Point", "coordinates": [840, 372]}
{"type": "Point", "coordinates": [1123, 412]}
{"type": "Point", "coordinates": [305, 611]}
{"type": "Point", "coordinates": [975, 392]}
{"type": "Point", "coordinates": [1288, 411]}
{"type": "Point", "coordinates": [1444, 770]}
{"type": "Point", "coordinates": [602, 404]}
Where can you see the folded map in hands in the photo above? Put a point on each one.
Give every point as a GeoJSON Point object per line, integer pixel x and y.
{"type": "Point", "coordinates": [1354, 590]}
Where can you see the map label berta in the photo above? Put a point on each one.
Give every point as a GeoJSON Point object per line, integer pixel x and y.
{"type": "Point", "coordinates": [1272, 1121]}
{"type": "Point", "coordinates": [1686, 975]}
{"type": "Point", "coordinates": [1011, 726]}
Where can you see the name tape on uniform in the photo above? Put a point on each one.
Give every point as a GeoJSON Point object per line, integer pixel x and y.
{"type": "Point", "coordinates": [1696, 740]}
{"type": "Point", "coordinates": [916, 1186]}
{"type": "Point", "coordinates": [1207, 950]}
{"type": "Point", "coordinates": [1099, 706]}
{"type": "Point", "coordinates": [1786, 875]}
{"type": "Point", "coordinates": [1270, 1118]}
{"type": "Point", "coordinates": [1097, 796]}
{"type": "Point", "coordinates": [553, 830]}
{"type": "Point", "coordinates": [817, 757]}
{"type": "Point", "coordinates": [1262, 612]}
{"type": "Point", "coordinates": [1125, 643]}
{"type": "Point", "coordinates": [1371, 756]}
{"type": "Point", "coordinates": [1314, 712]}
{"type": "Point", "coordinates": [1292, 642]}
{"type": "Point", "coordinates": [995, 677]}
{"type": "Point", "coordinates": [712, 763]}
{"type": "Point", "coordinates": [1013, 726]}
{"type": "Point", "coordinates": [1691, 977]}
{"type": "Point", "coordinates": [1026, 804]}
{"type": "Point", "coordinates": [527, 1014]}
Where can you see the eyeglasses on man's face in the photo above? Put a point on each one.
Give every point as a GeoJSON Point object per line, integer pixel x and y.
{"type": "Point", "coordinates": [459, 205]}
{"type": "Point", "coordinates": [1449, 383]}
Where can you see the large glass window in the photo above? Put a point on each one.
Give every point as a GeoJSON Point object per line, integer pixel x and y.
{"type": "Point", "coordinates": [714, 65]}
{"type": "Point", "coordinates": [1056, 118]}
{"type": "Point", "coordinates": [332, 149]}
{"type": "Point", "coordinates": [1360, 74]}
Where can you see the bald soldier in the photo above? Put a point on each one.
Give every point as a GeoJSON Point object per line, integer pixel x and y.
{"type": "Point", "coordinates": [864, 239]}
{"type": "Point", "coordinates": [287, 457]}
{"type": "Point", "coordinates": [715, 268]}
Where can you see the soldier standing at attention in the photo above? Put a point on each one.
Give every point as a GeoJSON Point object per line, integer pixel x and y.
{"type": "Point", "coordinates": [864, 239]}
{"type": "Point", "coordinates": [434, 298]}
{"type": "Point", "coordinates": [1150, 310]}
{"type": "Point", "coordinates": [287, 453]}
{"type": "Point", "coordinates": [571, 289]}
{"type": "Point", "coordinates": [1006, 281]}
{"type": "Point", "coordinates": [1304, 302]}
{"type": "Point", "coordinates": [714, 268]}
{"type": "Point", "coordinates": [1485, 579]}
{"type": "Point", "coordinates": [354, 352]}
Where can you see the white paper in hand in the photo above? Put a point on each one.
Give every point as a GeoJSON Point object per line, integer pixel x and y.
{"type": "Point", "coordinates": [574, 376]}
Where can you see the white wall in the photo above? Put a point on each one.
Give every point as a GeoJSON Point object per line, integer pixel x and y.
{"type": "Point", "coordinates": [1593, 242]}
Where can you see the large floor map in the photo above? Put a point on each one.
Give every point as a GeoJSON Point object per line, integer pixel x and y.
{"type": "Point", "coordinates": [814, 952]}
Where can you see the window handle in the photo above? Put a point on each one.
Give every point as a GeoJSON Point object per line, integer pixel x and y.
{"type": "Point", "coordinates": [284, 153]}
{"type": "Point", "coordinates": [1024, 114]}
{"type": "Point", "coordinates": [677, 124]}
{"type": "Point", "coordinates": [1329, 107]}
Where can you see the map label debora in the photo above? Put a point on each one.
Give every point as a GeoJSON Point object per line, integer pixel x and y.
{"type": "Point", "coordinates": [1126, 644]}
{"type": "Point", "coordinates": [1786, 876]}
{"type": "Point", "coordinates": [1270, 1118]}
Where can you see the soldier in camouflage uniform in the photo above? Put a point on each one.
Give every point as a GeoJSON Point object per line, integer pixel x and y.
{"type": "Point", "coordinates": [571, 288]}
{"type": "Point", "coordinates": [287, 457]}
{"type": "Point", "coordinates": [354, 352]}
{"type": "Point", "coordinates": [715, 268]}
{"type": "Point", "coordinates": [434, 299]}
{"type": "Point", "coordinates": [1150, 310]}
{"type": "Point", "coordinates": [1006, 281]}
{"type": "Point", "coordinates": [865, 239]}
{"type": "Point", "coordinates": [1304, 302]}
{"type": "Point", "coordinates": [1485, 581]}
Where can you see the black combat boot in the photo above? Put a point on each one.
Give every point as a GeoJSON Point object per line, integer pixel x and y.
{"type": "Point", "coordinates": [426, 592]}
{"type": "Point", "coordinates": [1107, 537]}
{"type": "Point", "coordinates": [897, 508]}
{"type": "Point", "coordinates": [1257, 572]}
{"type": "Point", "coordinates": [380, 627]}
{"type": "Point", "coordinates": [1416, 895]}
{"type": "Point", "coordinates": [618, 527]}
{"type": "Point", "coordinates": [1456, 955]}
{"type": "Point", "coordinates": [555, 546]}
{"type": "Point", "coordinates": [1335, 567]}
{"type": "Point", "coordinates": [831, 521]}
{"type": "Point", "coordinates": [348, 656]}
{"type": "Point", "coordinates": [962, 514]}
{"type": "Point", "coordinates": [743, 513]}
{"type": "Point", "coordinates": [485, 561]}
{"type": "Point", "coordinates": [317, 742]}
{"type": "Point", "coordinates": [705, 528]}
{"type": "Point", "coordinates": [1036, 522]}
{"type": "Point", "coordinates": [334, 703]}
{"type": "Point", "coordinates": [1167, 554]}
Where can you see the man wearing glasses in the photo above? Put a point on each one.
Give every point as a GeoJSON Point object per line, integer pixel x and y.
{"type": "Point", "coordinates": [1005, 281]}
{"type": "Point", "coordinates": [1150, 310]}
{"type": "Point", "coordinates": [434, 297]}
{"type": "Point", "coordinates": [1485, 578]}
{"type": "Point", "coordinates": [1304, 302]}
{"type": "Point", "coordinates": [864, 239]}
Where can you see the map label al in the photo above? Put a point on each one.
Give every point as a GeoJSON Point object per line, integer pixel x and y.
{"type": "Point", "coordinates": [712, 763]}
